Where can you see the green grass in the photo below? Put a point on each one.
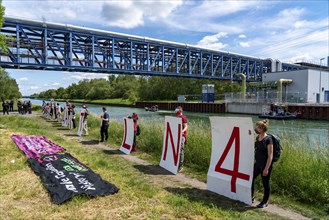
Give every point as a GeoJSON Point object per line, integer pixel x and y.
{"type": "Point", "coordinates": [101, 101]}
{"type": "Point", "coordinates": [22, 195]}
{"type": "Point", "coordinates": [300, 176]}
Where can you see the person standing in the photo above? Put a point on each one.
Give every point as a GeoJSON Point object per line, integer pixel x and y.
{"type": "Point", "coordinates": [105, 125]}
{"type": "Point", "coordinates": [179, 114]}
{"type": "Point", "coordinates": [135, 120]}
{"type": "Point", "coordinates": [51, 109]}
{"type": "Point", "coordinates": [263, 160]}
{"type": "Point", "coordinates": [72, 112]}
{"type": "Point", "coordinates": [5, 107]}
{"type": "Point", "coordinates": [85, 119]}
{"type": "Point", "coordinates": [11, 105]}
{"type": "Point", "coordinates": [58, 112]}
{"type": "Point", "coordinates": [19, 106]}
{"type": "Point", "coordinates": [29, 107]}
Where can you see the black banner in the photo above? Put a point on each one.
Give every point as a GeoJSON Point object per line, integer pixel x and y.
{"type": "Point", "coordinates": [64, 176]}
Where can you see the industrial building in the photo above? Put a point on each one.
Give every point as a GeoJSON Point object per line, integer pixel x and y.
{"type": "Point", "coordinates": [307, 86]}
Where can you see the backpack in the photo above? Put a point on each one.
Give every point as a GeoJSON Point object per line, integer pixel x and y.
{"type": "Point", "coordinates": [277, 148]}
{"type": "Point", "coordinates": [138, 130]}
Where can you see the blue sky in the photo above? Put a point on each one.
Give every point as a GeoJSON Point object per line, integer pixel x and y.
{"type": "Point", "coordinates": [286, 30]}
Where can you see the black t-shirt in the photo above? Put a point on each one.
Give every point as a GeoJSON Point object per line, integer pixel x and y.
{"type": "Point", "coordinates": [261, 154]}
{"type": "Point", "coordinates": [106, 116]}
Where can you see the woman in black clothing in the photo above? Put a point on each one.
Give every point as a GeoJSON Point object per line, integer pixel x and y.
{"type": "Point", "coordinates": [263, 160]}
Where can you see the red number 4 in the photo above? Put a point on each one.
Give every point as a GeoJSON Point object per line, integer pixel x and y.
{"type": "Point", "coordinates": [235, 172]}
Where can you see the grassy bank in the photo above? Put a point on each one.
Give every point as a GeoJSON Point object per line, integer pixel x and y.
{"type": "Point", "coordinates": [22, 195]}
{"type": "Point", "coordinates": [101, 101]}
{"type": "Point", "coordinates": [300, 178]}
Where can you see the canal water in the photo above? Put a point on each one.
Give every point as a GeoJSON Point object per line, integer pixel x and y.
{"type": "Point", "coordinates": [312, 131]}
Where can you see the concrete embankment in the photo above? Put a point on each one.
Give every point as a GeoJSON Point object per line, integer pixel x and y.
{"type": "Point", "coordinates": [308, 111]}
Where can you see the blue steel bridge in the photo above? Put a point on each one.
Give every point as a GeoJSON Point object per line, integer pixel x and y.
{"type": "Point", "coordinates": [41, 45]}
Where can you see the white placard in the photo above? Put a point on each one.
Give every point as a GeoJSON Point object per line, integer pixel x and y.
{"type": "Point", "coordinates": [70, 119]}
{"type": "Point", "coordinates": [65, 120]}
{"type": "Point", "coordinates": [231, 168]}
{"type": "Point", "coordinates": [128, 136]}
{"type": "Point", "coordinates": [172, 142]}
{"type": "Point", "coordinates": [81, 121]}
{"type": "Point", "coordinates": [58, 112]}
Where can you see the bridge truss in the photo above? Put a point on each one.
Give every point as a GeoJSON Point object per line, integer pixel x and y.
{"type": "Point", "coordinates": [48, 46]}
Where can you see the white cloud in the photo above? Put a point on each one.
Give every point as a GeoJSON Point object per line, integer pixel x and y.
{"type": "Point", "coordinates": [55, 84]}
{"type": "Point", "coordinates": [288, 34]}
{"type": "Point", "coordinates": [297, 42]}
{"type": "Point", "coordinates": [213, 41]}
{"type": "Point", "coordinates": [301, 57]}
{"type": "Point", "coordinates": [130, 14]}
{"type": "Point", "coordinates": [209, 8]}
{"type": "Point", "coordinates": [23, 79]}
{"type": "Point", "coordinates": [80, 76]}
{"type": "Point", "coordinates": [123, 14]}
{"type": "Point", "coordinates": [55, 11]}
{"type": "Point", "coordinates": [286, 18]}
{"type": "Point", "coordinates": [211, 16]}
{"type": "Point", "coordinates": [186, 15]}
{"type": "Point", "coordinates": [244, 44]}
{"type": "Point", "coordinates": [45, 85]}
{"type": "Point", "coordinates": [34, 87]}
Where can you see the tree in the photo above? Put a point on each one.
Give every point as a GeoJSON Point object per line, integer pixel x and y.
{"type": "Point", "coordinates": [60, 93]}
{"type": "Point", "coordinates": [138, 88]}
{"type": "Point", "coordinates": [2, 37]}
{"type": "Point", "coordinates": [8, 86]}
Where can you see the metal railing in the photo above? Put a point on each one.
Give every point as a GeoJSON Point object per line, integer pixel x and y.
{"type": "Point", "coordinates": [267, 97]}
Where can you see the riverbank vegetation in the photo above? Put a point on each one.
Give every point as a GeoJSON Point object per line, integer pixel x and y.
{"type": "Point", "coordinates": [8, 87]}
{"type": "Point", "coordinates": [133, 88]}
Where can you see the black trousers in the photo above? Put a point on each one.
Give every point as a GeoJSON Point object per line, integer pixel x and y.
{"type": "Point", "coordinates": [4, 110]}
{"type": "Point", "coordinates": [134, 143]}
{"type": "Point", "coordinates": [258, 170]}
{"type": "Point", "coordinates": [73, 121]}
{"type": "Point", "coordinates": [104, 131]}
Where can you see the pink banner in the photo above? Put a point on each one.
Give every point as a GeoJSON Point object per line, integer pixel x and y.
{"type": "Point", "coordinates": [36, 146]}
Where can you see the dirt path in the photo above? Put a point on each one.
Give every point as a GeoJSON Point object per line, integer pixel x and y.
{"type": "Point", "coordinates": [163, 178]}
{"type": "Point", "coordinates": [15, 113]}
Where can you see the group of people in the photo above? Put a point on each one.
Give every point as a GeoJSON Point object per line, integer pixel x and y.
{"type": "Point", "coordinates": [153, 108]}
{"type": "Point", "coordinates": [263, 165]}
{"type": "Point", "coordinates": [276, 109]}
{"type": "Point", "coordinates": [23, 107]}
{"type": "Point", "coordinates": [53, 111]}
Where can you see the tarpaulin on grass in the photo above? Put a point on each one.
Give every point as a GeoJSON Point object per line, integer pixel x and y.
{"type": "Point", "coordinates": [64, 176]}
{"type": "Point", "coordinates": [36, 146]}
